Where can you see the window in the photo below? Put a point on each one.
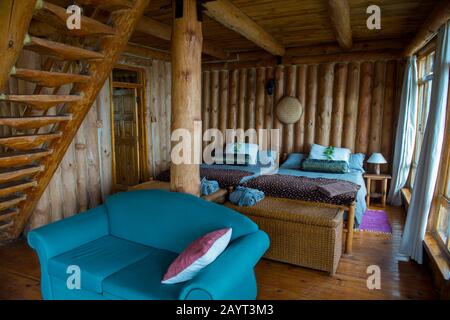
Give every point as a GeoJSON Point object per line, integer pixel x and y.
{"type": "Point", "coordinates": [425, 68]}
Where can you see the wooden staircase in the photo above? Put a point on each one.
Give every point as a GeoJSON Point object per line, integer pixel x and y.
{"type": "Point", "coordinates": [48, 122]}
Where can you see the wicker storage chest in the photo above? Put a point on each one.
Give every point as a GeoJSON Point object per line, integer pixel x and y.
{"type": "Point", "coordinates": [304, 235]}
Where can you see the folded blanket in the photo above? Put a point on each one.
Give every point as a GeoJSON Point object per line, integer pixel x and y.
{"type": "Point", "coordinates": [336, 189]}
{"type": "Point", "coordinates": [246, 197]}
{"type": "Point", "coordinates": [208, 187]}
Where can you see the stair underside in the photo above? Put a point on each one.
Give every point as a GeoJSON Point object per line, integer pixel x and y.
{"type": "Point", "coordinates": [27, 142]}
{"type": "Point", "coordinates": [32, 122]}
{"type": "Point", "coordinates": [60, 50]}
{"type": "Point", "coordinates": [41, 102]}
{"type": "Point", "coordinates": [19, 158]}
{"type": "Point", "coordinates": [48, 79]}
{"type": "Point", "coordinates": [56, 16]}
{"type": "Point", "coordinates": [9, 174]}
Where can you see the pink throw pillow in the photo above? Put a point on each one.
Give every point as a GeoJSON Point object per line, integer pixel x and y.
{"type": "Point", "coordinates": [197, 256]}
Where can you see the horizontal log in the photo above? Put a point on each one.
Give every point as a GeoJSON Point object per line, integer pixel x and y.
{"type": "Point", "coordinates": [339, 12]}
{"type": "Point", "coordinates": [226, 13]}
{"type": "Point", "coordinates": [163, 31]}
{"type": "Point", "coordinates": [379, 55]}
{"type": "Point", "coordinates": [439, 16]}
{"type": "Point", "coordinates": [146, 52]}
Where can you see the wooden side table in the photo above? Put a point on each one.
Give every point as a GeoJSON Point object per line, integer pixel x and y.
{"type": "Point", "coordinates": [384, 182]}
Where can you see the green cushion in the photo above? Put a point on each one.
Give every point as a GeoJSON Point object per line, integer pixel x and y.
{"type": "Point", "coordinates": [329, 166]}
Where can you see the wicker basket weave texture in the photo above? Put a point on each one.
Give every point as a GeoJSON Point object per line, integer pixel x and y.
{"type": "Point", "coordinates": [301, 235]}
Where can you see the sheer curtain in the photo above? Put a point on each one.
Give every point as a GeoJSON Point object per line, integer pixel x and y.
{"type": "Point", "coordinates": [406, 133]}
{"type": "Point", "coordinates": [427, 170]}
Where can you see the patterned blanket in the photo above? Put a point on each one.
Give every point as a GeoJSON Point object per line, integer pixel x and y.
{"type": "Point", "coordinates": [226, 178]}
{"type": "Point", "coordinates": [301, 188]}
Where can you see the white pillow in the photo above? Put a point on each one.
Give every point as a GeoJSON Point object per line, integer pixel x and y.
{"type": "Point", "coordinates": [244, 148]}
{"type": "Point", "coordinates": [319, 152]}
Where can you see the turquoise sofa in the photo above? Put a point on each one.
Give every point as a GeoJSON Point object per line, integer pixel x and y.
{"type": "Point", "coordinates": [124, 247]}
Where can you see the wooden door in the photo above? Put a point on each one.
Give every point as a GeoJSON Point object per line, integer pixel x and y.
{"type": "Point", "coordinates": [126, 136]}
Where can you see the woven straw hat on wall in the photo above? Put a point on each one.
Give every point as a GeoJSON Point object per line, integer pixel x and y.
{"type": "Point", "coordinates": [289, 110]}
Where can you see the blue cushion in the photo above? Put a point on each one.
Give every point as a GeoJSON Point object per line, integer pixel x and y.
{"type": "Point", "coordinates": [97, 260]}
{"type": "Point", "coordinates": [152, 218]}
{"type": "Point", "coordinates": [293, 161]}
{"type": "Point", "coordinates": [142, 280]}
{"type": "Point", "coordinates": [356, 162]}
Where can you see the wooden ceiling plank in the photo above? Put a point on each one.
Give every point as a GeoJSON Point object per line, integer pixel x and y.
{"type": "Point", "coordinates": [439, 16]}
{"type": "Point", "coordinates": [339, 13]}
{"type": "Point", "coordinates": [233, 18]}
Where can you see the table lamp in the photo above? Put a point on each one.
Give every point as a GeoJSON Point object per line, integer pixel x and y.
{"type": "Point", "coordinates": [377, 159]}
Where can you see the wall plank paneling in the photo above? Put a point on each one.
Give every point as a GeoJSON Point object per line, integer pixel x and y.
{"type": "Point", "coordinates": [353, 105]}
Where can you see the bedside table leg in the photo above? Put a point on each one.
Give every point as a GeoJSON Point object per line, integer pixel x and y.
{"type": "Point", "coordinates": [369, 183]}
{"type": "Point", "coordinates": [384, 193]}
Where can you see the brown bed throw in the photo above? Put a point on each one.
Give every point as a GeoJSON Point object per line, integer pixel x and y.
{"type": "Point", "coordinates": [306, 189]}
{"type": "Point", "coordinates": [225, 178]}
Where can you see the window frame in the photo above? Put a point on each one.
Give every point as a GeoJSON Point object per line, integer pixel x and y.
{"type": "Point", "coordinates": [442, 184]}
{"type": "Point", "coordinates": [424, 83]}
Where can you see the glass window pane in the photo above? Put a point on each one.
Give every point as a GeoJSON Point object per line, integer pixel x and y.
{"type": "Point", "coordinates": [443, 221]}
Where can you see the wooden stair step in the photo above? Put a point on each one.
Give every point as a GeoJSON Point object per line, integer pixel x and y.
{"type": "Point", "coordinates": [56, 16]}
{"type": "Point", "coordinates": [4, 226]}
{"type": "Point", "coordinates": [7, 216]}
{"type": "Point", "coordinates": [60, 50]}
{"type": "Point", "coordinates": [48, 79]}
{"type": "Point", "coordinates": [11, 201]}
{"type": "Point", "coordinates": [9, 174]}
{"type": "Point", "coordinates": [34, 122]}
{"type": "Point", "coordinates": [16, 186]}
{"type": "Point", "coordinates": [41, 101]}
{"type": "Point", "coordinates": [27, 142]}
{"type": "Point", "coordinates": [18, 158]}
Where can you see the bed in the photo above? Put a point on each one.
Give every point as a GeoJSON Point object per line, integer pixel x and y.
{"type": "Point", "coordinates": [243, 175]}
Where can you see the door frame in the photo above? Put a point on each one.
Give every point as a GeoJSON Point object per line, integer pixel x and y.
{"type": "Point", "coordinates": [141, 120]}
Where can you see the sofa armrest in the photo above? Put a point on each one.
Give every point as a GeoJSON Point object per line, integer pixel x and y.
{"type": "Point", "coordinates": [64, 235]}
{"type": "Point", "coordinates": [218, 280]}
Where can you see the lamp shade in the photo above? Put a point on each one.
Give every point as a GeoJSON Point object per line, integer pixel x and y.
{"type": "Point", "coordinates": [376, 158]}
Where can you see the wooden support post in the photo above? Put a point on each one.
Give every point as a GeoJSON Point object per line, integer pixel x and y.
{"type": "Point", "coordinates": [186, 89]}
{"type": "Point", "coordinates": [15, 18]}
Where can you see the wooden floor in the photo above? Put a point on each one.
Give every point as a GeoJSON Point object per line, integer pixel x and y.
{"type": "Point", "coordinates": [19, 272]}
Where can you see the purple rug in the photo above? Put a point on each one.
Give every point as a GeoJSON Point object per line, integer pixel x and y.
{"type": "Point", "coordinates": [375, 221]}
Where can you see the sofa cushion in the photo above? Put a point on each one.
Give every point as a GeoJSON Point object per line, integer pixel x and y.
{"type": "Point", "coordinates": [152, 218]}
{"type": "Point", "coordinates": [142, 280]}
{"type": "Point", "coordinates": [97, 260]}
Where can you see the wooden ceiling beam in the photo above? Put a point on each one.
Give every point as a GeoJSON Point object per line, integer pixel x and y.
{"type": "Point", "coordinates": [233, 18]}
{"type": "Point", "coordinates": [339, 13]}
{"type": "Point", "coordinates": [162, 31]}
{"type": "Point", "coordinates": [146, 52]}
{"type": "Point", "coordinates": [439, 16]}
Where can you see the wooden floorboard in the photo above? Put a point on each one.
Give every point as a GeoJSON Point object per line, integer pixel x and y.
{"type": "Point", "coordinates": [19, 272]}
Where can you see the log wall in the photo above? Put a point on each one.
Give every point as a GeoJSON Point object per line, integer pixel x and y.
{"type": "Point", "coordinates": [352, 105]}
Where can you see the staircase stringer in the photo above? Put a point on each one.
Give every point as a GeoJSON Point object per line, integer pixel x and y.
{"type": "Point", "coordinates": [125, 22]}
{"type": "Point", "coordinates": [15, 18]}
